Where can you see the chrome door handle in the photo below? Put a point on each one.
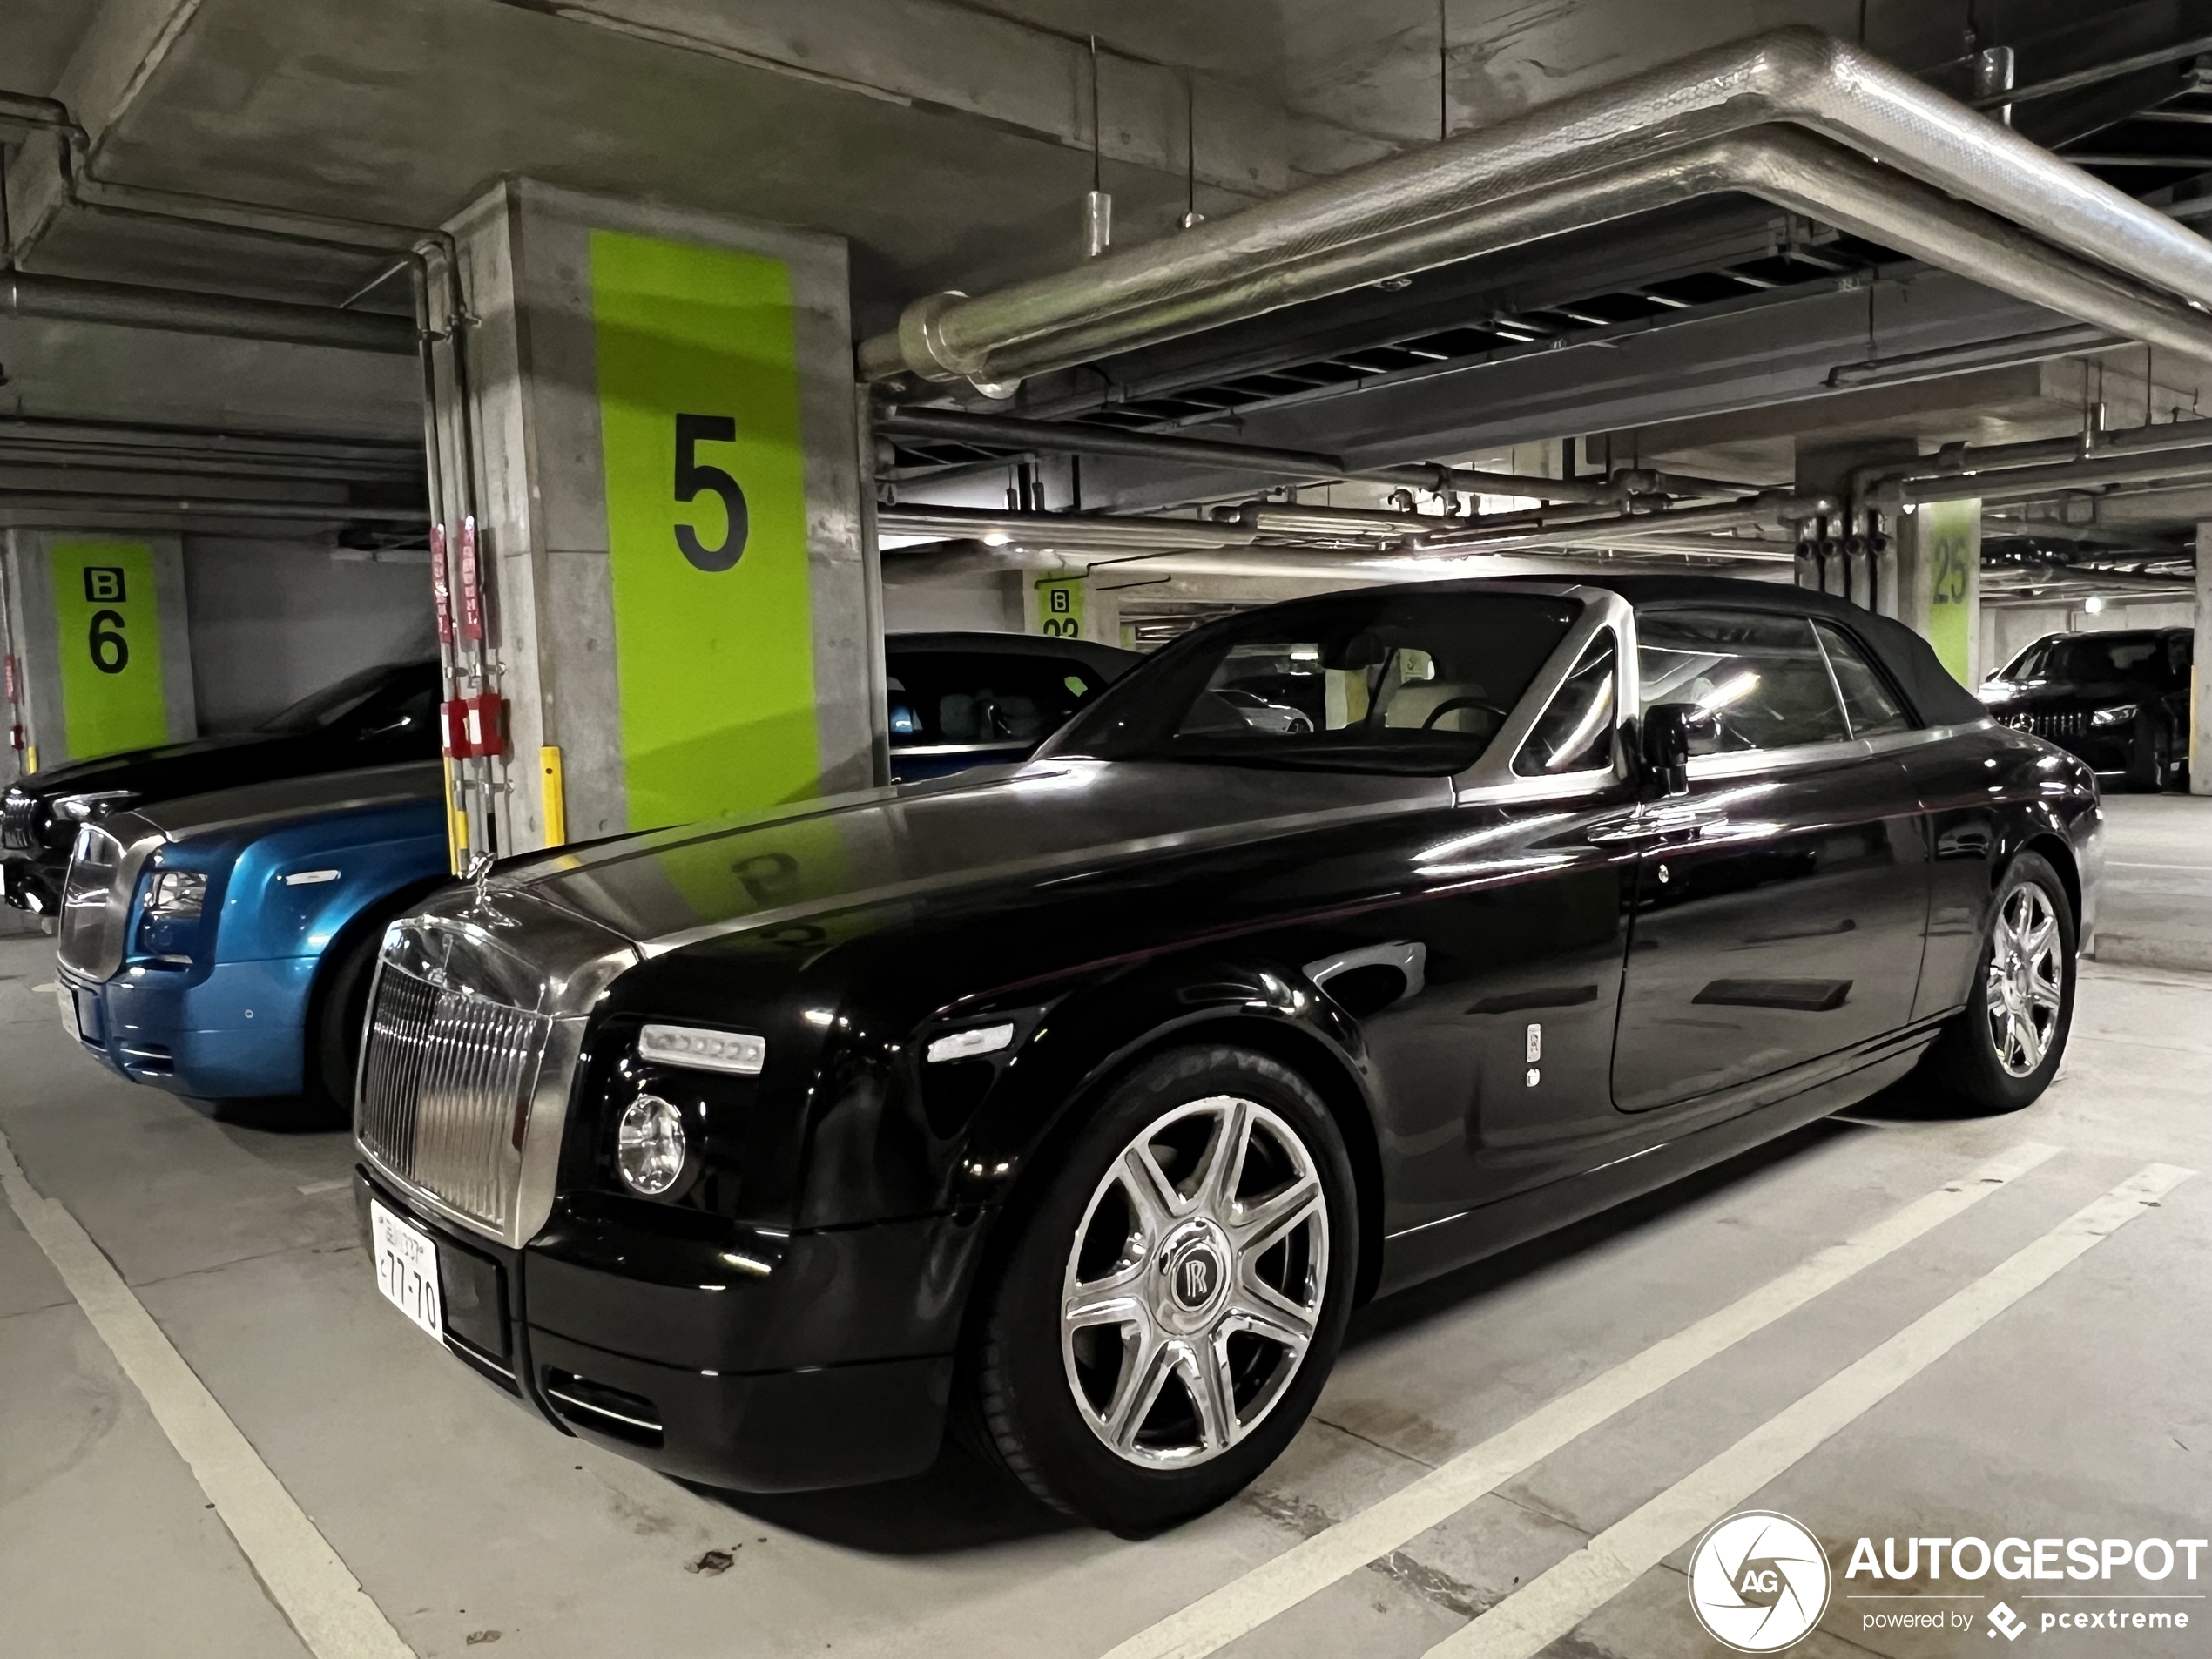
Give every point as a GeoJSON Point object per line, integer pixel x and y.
{"type": "Point", "coordinates": [1635, 832]}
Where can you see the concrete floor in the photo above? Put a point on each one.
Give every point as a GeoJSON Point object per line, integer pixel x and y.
{"type": "Point", "coordinates": [2080, 1410]}
{"type": "Point", "coordinates": [2157, 910]}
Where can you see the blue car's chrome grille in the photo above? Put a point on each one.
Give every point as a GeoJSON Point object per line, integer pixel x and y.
{"type": "Point", "coordinates": [446, 1081]}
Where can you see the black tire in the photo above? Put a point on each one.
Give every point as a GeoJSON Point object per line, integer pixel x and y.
{"type": "Point", "coordinates": [1966, 1060]}
{"type": "Point", "coordinates": [1025, 1377]}
{"type": "Point", "coordinates": [2146, 755]}
{"type": "Point", "coordinates": [341, 1003]}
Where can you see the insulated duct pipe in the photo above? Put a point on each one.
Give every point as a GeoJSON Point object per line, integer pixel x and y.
{"type": "Point", "coordinates": [182, 311]}
{"type": "Point", "coordinates": [1412, 212]}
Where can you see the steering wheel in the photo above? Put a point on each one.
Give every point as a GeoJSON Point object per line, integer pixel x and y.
{"type": "Point", "coordinates": [1450, 703]}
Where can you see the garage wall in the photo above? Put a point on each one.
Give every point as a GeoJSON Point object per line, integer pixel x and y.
{"type": "Point", "coordinates": [272, 621]}
{"type": "Point", "coordinates": [988, 599]}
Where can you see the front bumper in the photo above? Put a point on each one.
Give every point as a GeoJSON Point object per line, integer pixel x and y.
{"type": "Point", "coordinates": [234, 1032]}
{"type": "Point", "coordinates": [754, 1360]}
{"type": "Point", "coordinates": [30, 884]}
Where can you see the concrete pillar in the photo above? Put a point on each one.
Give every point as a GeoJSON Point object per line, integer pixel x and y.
{"type": "Point", "coordinates": [102, 651]}
{"type": "Point", "coordinates": [2200, 675]}
{"type": "Point", "coordinates": [684, 611]}
{"type": "Point", "coordinates": [1939, 552]}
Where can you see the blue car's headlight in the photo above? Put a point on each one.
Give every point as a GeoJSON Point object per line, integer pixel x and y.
{"type": "Point", "coordinates": [175, 895]}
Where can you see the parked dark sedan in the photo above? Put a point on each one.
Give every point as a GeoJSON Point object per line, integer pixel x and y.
{"type": "Point", "coordinates": [2119, 699]}
{"type": "Point", "coordinates": [959, 700]}
{"type": "Point", "coordinates": [1084, 1102]}
{"type": "Point", "coordinates": [380, 717]}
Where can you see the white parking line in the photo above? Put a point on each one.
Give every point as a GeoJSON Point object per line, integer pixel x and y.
{"type": "Point", "coordinates": [1244, 1604]}
{"type": "Point", "coordinates": [328, 1609]}
{"type": "Point", "coordinates": [1550, 1605]}
{"type": "Point", "coordinates": [342, 1183]}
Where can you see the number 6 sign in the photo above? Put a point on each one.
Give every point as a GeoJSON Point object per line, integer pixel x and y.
{"type": "Point", "coordinates": [108, 620]}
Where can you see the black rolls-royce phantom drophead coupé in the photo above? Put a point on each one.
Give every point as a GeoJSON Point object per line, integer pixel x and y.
{"type": "Point", "coordinates": [1343, 942]}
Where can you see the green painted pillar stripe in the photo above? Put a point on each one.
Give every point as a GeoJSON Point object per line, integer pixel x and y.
{"type": "Point", "coordinates": [706, 528]}
{"type": "Point", "coordinates": [107, 621]}
{"type": "Point", "coordinates": [1953, 533]}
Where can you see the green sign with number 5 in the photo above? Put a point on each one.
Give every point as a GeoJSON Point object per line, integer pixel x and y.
{"type": "Point", "coordinates": [706, 528]}
{"type": "Point", "coordinates": [109, 626]}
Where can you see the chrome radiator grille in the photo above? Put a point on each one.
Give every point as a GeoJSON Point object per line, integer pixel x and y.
{"type": "Point", "coordinates": [94, 913]}
{"type": "Point", "coordinates": [2054, 725]}
{"type": "Point", "coordinates": [446, 1080]}
{"type": "Point", "coordinates": [17, 815]}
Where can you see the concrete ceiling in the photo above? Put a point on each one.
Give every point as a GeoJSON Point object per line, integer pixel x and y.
{"type": "Point", "coordinates": [951, 142]}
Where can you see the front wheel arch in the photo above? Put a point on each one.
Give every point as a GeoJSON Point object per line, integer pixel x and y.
{"type": "Point", "coordinates": [370, 920]}
{"type": "Point", "coordinates": [2055, 851]}
{"type": "Point", "coordinates": [1316, 1062]}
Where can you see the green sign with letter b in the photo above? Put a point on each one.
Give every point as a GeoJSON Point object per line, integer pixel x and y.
{"type": "Point", "coordinates": [108, 624]}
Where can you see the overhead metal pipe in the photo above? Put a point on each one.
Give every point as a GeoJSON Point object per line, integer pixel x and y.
{"type": "Point", "coordinates": [1410, 212]}
{"type": "Point", "coordinates": [1054, 438]}
{"type": "Point", "coordinates": [184, 311]}
{"type": "Point", "coordinates": [960, 558]}
{"type": "Point", "coordinates": [1774, 507]}
{"type": "Point", "coordinates": [940, 559]}
{"type": "Point", "coordinates": [107, 500]}
{"type": "Point", "coordinates": [1269, 518]}
{"type": "Point", "coordinates": [2015, 483]}
{"type": "Point", "coordinates": [1059, 529]}
{"type": "Point", "coordinates": [1988, 457]}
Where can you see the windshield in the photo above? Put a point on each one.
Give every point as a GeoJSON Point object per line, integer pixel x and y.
{"type": "Point", "coordinates": [960, 697]}
{"type": "Point", "coordinates": [1364, 682]}
{"type": "Point", "coordinates": [318, 710]}
{"type": "Point", "coordinates": [2096, 657]}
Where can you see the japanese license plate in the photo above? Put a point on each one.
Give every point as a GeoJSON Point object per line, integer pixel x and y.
{"type": "Point", "coordinates": [66, 998]}
{"type": "Point", "coordinates": [406, 1269]}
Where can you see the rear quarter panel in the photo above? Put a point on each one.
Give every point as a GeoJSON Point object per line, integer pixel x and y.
{"type": "Point", "coordinates": [1990, 793]}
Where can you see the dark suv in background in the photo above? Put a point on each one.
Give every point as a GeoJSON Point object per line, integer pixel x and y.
{"type": "Point", "coordinates": [380, 717]}
{"type": "Point", "coordinates": [2119, 699]}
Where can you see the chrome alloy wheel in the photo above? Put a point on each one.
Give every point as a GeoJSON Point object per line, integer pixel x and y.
{"type": "Point", "coordinates": [1194, 1283]}
{"type": "Point", "coordinates": [2026, 978]}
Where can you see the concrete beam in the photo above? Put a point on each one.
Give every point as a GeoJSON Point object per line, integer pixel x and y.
{"type": "Point", "coordinates": [124, 42]}
{"type": "Point", "coordinates": [929, 54]}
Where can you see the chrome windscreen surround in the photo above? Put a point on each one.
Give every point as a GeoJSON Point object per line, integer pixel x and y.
{"type": "Point", "coordinates": [103, 871]}
{"type": "Point", "coordinates": [475, 1027]}
{"type": "Point", "coordinates": [1492, 778]}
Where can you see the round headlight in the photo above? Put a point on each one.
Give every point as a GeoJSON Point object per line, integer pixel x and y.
{"type": "Point", "coordinates": [649, 1148]}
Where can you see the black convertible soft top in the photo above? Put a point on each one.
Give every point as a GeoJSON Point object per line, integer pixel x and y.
{"type": "Point", "coordinates": [1936, 699]}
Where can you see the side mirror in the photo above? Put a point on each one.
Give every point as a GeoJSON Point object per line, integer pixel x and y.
{"type": "Point", "coordinates": [1670, 731]}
